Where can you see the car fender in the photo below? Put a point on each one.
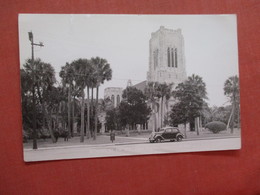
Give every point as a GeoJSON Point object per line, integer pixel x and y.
{"type": "Point", "coordinates": [158, 136]}
{"type": "Point", "coordinates": [179, 134]}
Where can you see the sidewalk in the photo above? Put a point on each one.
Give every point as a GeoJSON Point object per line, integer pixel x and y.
{"type": "Point", "coordinates": [101, 140]}
{"type": "Point", "coordinates": [104, 140]}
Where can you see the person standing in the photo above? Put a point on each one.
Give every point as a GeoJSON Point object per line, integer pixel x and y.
{"type": "Point", "coordinates": [112, 136]}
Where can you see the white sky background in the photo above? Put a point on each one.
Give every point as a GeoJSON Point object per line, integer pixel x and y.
{"type": "Point", "coordinates": [210, 44]}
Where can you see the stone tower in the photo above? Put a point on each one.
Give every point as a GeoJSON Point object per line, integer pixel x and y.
{"type": "Point", "coordinates": [166, 57]}
{"type": "Point", "coordinates": [166, 65]}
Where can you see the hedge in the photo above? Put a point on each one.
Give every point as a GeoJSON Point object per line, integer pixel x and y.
{"type": "Point", "coordinates": [216, 126]}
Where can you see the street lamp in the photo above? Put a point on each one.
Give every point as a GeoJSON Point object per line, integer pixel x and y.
{"type": "Point", "coordinates": [33, 90]}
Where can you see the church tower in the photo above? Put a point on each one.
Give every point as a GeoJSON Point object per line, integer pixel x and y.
{"type": "Point", "coordinates": [166, 57]}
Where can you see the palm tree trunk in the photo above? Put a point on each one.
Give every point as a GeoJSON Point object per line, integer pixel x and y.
{"type": "Point", "coordinates": [82, 116]}
{"type": "Point", "coordinates": [49, 123]}
{"type": "Point", "coordinates": [167, 112]}
{"type": "Point", "coordinates": [69, 110]}
{"type": "Point", "coordinates": [231, 114]}
{"type": "Point", "coordinates": [162, 112]}
{"type": "Point", "coordinates": [197, 125]}
{"type": "Point", "coordinates": [96, 114]}
{"type": "Point", "coordinates": [46, 116]}
{"type": "Point", "coordinates": [92, 108]}
{"type": "Point", "coordinates": [88, 111]}
{"type": "Point", "coordinates": [73, 116]}
{"type": "Point", "coordinates": [185, 130]}
{"type": "Point", "coordinates": [233, 118]}
{"type": "Point", "coordinates": [238, 117]}
{"type": "Point", "coordinates": [154, 118]}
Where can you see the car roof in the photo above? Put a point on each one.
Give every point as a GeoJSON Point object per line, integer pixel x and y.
{"type": "Point", "coordinates": [168, 128]}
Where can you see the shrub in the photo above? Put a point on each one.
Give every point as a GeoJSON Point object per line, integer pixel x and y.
{"type": "Point", "coordinates": [216, 126]}
{"type": "Point", "coordinates": [25, 136]}
{"type": "Point", "coordinates": [43, 133]}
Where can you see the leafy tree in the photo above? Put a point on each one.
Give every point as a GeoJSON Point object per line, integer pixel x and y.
{"type": "Point", "coordinates": [133, 109]}
{"type": "Point", "coordinates": [231, 90]}
{"type": "Point", "coordinates": [178, 116]}
{"type": "Point", "coordinates": [191, 94]}
{"type": "Point", "coordinates": [215, 113]}
{"type": "Point", "coordinates": [113, 119]}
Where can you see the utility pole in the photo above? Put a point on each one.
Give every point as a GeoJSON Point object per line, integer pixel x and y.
{"type": "Point", "coordinates": [33, 90]}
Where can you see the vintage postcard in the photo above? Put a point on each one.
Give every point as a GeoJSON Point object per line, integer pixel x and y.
{"type": "Point", "coordinates": [119, 85]}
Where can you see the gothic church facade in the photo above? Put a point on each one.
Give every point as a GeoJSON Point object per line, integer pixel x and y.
{"type": "Point", "coordinates": [166, 65]}
{"type": "Point", "coordinates": [166, 57]}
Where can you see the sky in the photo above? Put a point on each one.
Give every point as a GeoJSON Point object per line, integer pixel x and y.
{"type": "Point", "coordinates": [210, 44]}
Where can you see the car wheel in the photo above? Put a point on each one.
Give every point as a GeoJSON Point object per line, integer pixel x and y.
{"type": "Point", "coordinates": [158, 140]}
{"type": "Point", "coordinates": [151, 141]}
{"type": "Point", "coordinates": [179, 138]}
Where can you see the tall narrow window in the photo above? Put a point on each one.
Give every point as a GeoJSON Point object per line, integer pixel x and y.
{"type": "Point", "coordinates": [113, 100]}
{"type": "Point", "coordinates": [117, 100]}
{"type": "Point", "coordinates": [169, 57]}
{"type": "Point", "coordinates": [172, 57]}
{"type": "Point", "coordinates": [155, 58]}
{"type": "Point", "coordinates": [154, 65]}
{"type": "Point", "coordinates": [176, 61]}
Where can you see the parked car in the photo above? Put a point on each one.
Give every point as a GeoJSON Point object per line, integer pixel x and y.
{"type": "Point", "coordinates": [166, 134]}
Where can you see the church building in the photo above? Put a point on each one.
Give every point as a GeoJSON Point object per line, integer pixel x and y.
{"type": "Point", "coordinates": [166, 65]}
{"type": "Point", "coordinates": [166, 57]}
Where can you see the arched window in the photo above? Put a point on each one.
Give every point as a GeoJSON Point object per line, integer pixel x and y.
{"type": "Point", "coordinates": [113, 100]}
{"type": "Point", "coordinates": [117, 100]}
{"type": "Point", "coordinates": [175, 53]}
{"type": "Point", "coordinates": [169, 57]}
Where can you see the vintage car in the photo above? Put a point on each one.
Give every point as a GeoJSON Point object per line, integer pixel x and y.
{"type": "Point", "coordinates": [166, 134]}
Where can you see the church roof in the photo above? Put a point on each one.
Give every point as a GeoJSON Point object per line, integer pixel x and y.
{"type": "Point", "coordinates": [141, 86]}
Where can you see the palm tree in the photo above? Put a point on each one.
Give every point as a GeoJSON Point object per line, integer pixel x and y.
{"type": "Point", "coordinates": [67, 74]}
{"type": "Point", "coordinates": [75, 107]}
{"type": "Point", "coordinates": [231, 89]}
{"type": "Point", "coordinates": [102, 72]}
{"type": "Point", "coordinates": [92, 84]}
{"type": "Point", "coordinates": [152, 94]}
{"type": "Point", "coordinates": [198, 85]}
{"type": "Point", "coordinates": [164, 91]}
{"type": "Point", "coordinates": [44, 81]}
{"type": "Point", "coordinates": [83, 72]}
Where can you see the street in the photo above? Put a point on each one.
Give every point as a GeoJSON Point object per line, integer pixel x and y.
{"type": "Point", "coordinates": [141, 147]}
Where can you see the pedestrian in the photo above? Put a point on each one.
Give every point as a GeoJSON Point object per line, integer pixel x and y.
{"type": "Point", "coordinates": [112, 136]}
{"type": "Point", "coordinates": [66, 135]}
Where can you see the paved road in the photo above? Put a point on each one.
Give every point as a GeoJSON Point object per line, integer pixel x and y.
{"type": "Point", "coordinates": [126, 149]}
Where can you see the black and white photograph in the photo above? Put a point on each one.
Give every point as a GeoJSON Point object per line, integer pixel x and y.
{"type": "Point", "coordinates": [121, 85]}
